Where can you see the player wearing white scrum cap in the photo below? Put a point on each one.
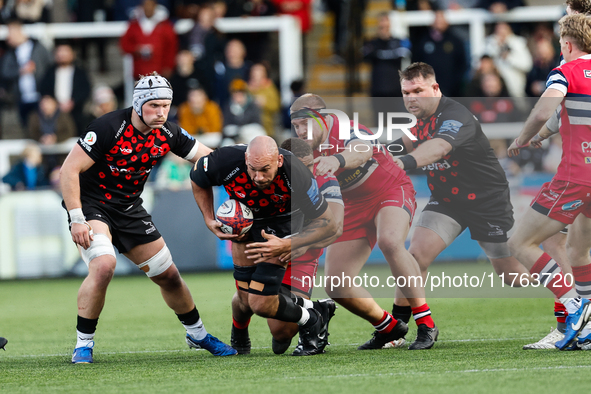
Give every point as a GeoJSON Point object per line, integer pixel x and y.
{"type": "Point", "coordinates": [102, 180]}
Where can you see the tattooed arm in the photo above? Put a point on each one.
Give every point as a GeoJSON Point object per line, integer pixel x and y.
{"type": "Point", "coordinates": [323, 227]}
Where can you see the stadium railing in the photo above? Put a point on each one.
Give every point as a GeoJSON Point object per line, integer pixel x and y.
{"type": "Point", "coordinates": [287, 27]}
{"type": "Point", "coordinates": [476, 19]}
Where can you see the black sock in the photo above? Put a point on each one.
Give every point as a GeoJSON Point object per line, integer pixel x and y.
{"type": "Point", "coordinates": [402, 313]}
{"type": "Point", "coordinates": [188, 319]}
{"type": "Point", "coordinates": [288, 311]}
{"type": "Point", "coordinates": [86, 326]}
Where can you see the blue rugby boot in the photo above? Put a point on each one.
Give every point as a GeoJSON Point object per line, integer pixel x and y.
{"type": "Point", "coordinates": [83, 355]}
{"type": "Point", "coordinates": [212, 345]}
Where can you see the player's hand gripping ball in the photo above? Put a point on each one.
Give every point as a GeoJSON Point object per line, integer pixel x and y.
{"type": "Point", "coordinates": [236, 218]}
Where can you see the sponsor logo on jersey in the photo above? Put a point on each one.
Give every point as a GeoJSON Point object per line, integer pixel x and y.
{"type": "Point", "coordinates": [150, 228]}
{"type": "Point", "coordinates": [587, 160]}
{"type": "Point", "coordinates": [313, 192]}
{"type": "Point", "coordinates": [186, 133]}
{"type": "Point", "coordinates": [205, 164]}
{"type": "Point", "coordinates": [126, 151]}
{"type": "Point", "coordinates": [586, 146]}
{"type": "Point", "coordinates": [126, 171]}
{"type": "Point", "coordinates": [587, 73]}
{"type": "Point", "coordinates": [90, 138]}
{"type": "Point", "coordinates": [120, 129]}
{"type": "Point", "coordinates": [231, 174]}
{"type": "Point", "coordinates": [571, 206]}
{"type": "Point", "coordinates": [450, 126]}
{"type": "Point", "coordinates": [437, 166]}
{"type": "Point", "coordinates": [167, 131]}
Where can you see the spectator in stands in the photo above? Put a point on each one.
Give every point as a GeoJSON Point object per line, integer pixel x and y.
{"type": "Point", "coordinates": [387, 55]}
{"type": "Point", "coordinates": [511, 57]}
{"type": "Point", "coordinates": [494, 105]}
{"type": "Point", "coordinates": [103, 102]}
{"type": "Point", "coordinates": [28, 173]}
{"type": "Point", "coordinates": [266, 96]}
{"type": "Point", "coordinates": [185, 78]}
{"type": "Point", "coordinates": [206, 44]}
{"type": "Point", "coordinates": [500, 6]}
{"type": "Point", "coordinates": [31, 11]}
{"type": "Point", "coordinates": [151, 39]}
{"type": "Point", "coordinates": [68, 83]}
{"type": "Point", "coordinates": [297, 89]}
{"type": "Point", "coordinates": [256, 43]}
{"type": "Point", "coordinates": [242, 117]}
{"type": "Point", "coordinates": [22, 66]}
{"type": "Point", "coordinates": [49, 125]}
{"type": "Point", "coordinates": [486, 66]}
{"type": "Point", "coordinates": [446, 52]}
{"type": "Point", "coordinates": [234, 67]}
{"type": "Point", "coordinates": [201, 116]}
{"type": "Point", "coordinates": [301, 9]}
{"type": "Point", "coordinates": [545, 60]}
{"type": "Point", "coordinates": [122, 9]}
{"type": "Point", "coordinates": [91, 11]}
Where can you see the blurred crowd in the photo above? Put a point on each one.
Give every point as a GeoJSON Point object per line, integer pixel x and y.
{"type": "Point", "coordinates": [225, 88]}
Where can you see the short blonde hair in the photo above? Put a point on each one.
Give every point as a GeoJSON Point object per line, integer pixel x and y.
{"type": "Point", "coordinates": [578, 28]}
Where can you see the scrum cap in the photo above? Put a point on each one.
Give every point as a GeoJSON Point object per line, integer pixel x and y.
{"type": "Point", "coordinates": [150, 87]}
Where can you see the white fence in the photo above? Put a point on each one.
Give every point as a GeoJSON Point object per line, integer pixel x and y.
{"type": "Point", "coordinates": [287, 27]}
{"type": "Point", "coordinates": [476, 19]}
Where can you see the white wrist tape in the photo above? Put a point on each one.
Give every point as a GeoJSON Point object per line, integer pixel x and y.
{"type": "Point", "coordinates": [77, 216]}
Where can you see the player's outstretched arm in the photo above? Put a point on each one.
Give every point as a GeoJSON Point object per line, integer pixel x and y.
{"type": "Point", "coordinates": [426, 153]}
{"type": "Point", "coordinates": [541, 112]}
{"type": "Point", "coordinates": [76, 163]}
{"type": "Point", "coordinates": [349, 158]}
{"type": "Point", "coordinates": [204, 199]}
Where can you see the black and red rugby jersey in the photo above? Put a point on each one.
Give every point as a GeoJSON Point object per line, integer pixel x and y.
{"type": "Point", "coordinates": [470, 173]}
{"type": "Point", "coordinates": [294, 188]}
{"type": "Point", "coordinates": [124, 157]}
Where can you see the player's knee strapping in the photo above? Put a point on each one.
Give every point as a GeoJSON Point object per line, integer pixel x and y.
{"type": "Point", "coordinates": [158, 263]}
{"type": "Point", "coordinates": [266, 280]}
{"type": "Point", "coordinates": [100, 245]}
{"type": "Point", "coordinates": [494, 250]}
{"type": "Point", "coordinates": [243, 275]}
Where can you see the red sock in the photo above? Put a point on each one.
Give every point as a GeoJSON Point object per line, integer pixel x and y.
{"type": "Point", "coordinates": [422, 315]}
{"type": "Point", "coordinates": [240, 326]}
{"type": "Point", "coordinates": [560, 312]}
{"type": "Point", "coordinates": [385, 324]}
{"type": "Point", "coordinates": [551, 276]}
{"type": "Point", "coordinates": [582, 277]}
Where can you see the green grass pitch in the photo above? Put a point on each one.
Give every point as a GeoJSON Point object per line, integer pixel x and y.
{"type": "Point", "coordinates": [140, 347]}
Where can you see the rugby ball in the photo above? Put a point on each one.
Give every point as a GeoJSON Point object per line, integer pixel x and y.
{"type": "Point", "coordinates": [236, 218]}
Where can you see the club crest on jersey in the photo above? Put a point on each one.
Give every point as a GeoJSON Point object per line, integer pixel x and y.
{"type": "Point", "coordinates": [90, 138]}
{"type": "Point", "coordinates": [571, 206]}
{"type": "Point", "coordinates": [587, 73]}
{"type": "Point", "coordinates": [205, 163]}
{"type": "Point", "coordinates": [450, 126]}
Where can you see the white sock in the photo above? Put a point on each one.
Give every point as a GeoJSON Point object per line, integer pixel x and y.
{"type": "Point", "coordinates": [84, 340]}
{"type": "Point", "coordinates": [196, 331]}
{"type": "Point", "coordinates": [308, 303]}
{"type": "Point", "coordinates": [305, 317]}
{"type": "Point", "coordinates": [572, 305]}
